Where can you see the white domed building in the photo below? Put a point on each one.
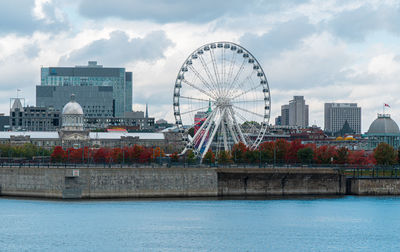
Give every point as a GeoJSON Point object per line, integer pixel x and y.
{"type": "Point", "coordinates": [72, 116]}
{"type": "Point", "coordinates": [72, 132]}
{"type": "Point", "coordinates": [383, 129]}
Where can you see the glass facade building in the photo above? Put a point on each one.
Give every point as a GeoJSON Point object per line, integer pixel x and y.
{"type": "Point", "coordinates": [93, 75]}
{"type": "Point", "coordinates": [95, 101]}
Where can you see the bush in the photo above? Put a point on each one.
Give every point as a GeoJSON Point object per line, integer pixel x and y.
{"type": "Point", "coordinates": [385, 154]}
{"type": "Point", "coordinates": [305, 155]}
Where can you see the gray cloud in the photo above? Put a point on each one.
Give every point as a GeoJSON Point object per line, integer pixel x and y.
{"type": "Point", "coordinates": [177, 10]}
{"type": "Point", "coordinates": [283, 36]}
{"type": "Point", "coordinates": [119, 49]}
{"type": "Point", "coordinates": [354, 25]}
{"type": "Point", "coordinates": [17, 17]}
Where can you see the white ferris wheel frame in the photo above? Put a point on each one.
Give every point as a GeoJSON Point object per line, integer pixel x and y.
{"type": "Point", "coordinates": [224, 115]}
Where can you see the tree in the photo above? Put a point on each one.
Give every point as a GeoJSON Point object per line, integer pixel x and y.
{"type": "Point", "coordinates": [239, 152]}
{"type": "Point", "coordinates": [305, 155]}
{"type": "Point", "coordinates": [294, 147]}
{"type": "Point", "coordinates": [190, 157]}
{"type": "Point", "coordinates": [102, 155]}
{"type": "Point", "coordinates": [385, 154]}
{"type": "Point", "coordinates": [281, 149]}
{"type": "Point", "coordinates": [58, 155]}
{"type": "Point", "coordinates": [252, 156]}
{"type": "Point", "coordinates": [267, 151]}
{"type": "Point", "coordinates": [224, 157]}
{"type": "Point", "coordinates": [174, 157]}
{"type": "Point", "coordinates": [358, 157]}
{"type": "Point", "coordinates": [341, 156]}
{"type": "Point", "coordinates": [209, 158]}
{"type": "Point", "coordinates": [324, 154]}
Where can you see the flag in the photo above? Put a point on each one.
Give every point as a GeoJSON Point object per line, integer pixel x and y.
{"type": "Point", "coordinates": [387, 105]}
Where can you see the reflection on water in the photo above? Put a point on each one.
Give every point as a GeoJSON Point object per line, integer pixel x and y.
{"type": "Point", "coordinates": [288, 224]}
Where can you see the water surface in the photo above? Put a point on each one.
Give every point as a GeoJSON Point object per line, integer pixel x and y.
{"type": "Point", "coordinates": [324, 224]}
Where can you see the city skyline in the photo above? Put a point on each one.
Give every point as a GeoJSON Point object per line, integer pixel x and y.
{"type": "Point", "coordinates": [309, 49]}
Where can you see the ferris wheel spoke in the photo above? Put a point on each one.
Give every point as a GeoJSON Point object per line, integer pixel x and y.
{"type": "Point", "coordinates": [248, 111]}
{"type": "Point", "coordinates": [199, 89]}
{"type": "Point", "coordinates": [230, 73]}
{"type": "Point", "coordinates": [195, 99]}
{"type": "Point", "coordinates": [194, 110]}
{"type": "Point", "coordinates": [239, 85]}
{"type": "Point", "coordinates": [215, 66]}
{"type": "Point", "coordinates": [237, 76]}
{"type": "Point", "coordinates": [247, 91]}
{"type": "Point", "coordinates": [246, 101]}
{"type": "Point", "coordinates": [212, 81]}
{"type": "Point", "coordinates": [205, 83]}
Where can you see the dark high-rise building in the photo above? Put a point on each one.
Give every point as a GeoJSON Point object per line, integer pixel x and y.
{"type": "Point", "coordinates": [92, 75]}
{"type": "Point", "coordinates": [285, 115]}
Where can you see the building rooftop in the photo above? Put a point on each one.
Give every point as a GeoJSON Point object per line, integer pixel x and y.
{"type": "Point", "coordinates": [383, 125]}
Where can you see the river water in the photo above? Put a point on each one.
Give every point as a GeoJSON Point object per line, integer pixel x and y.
{"type": "Point", "coordinates": [301, 224]}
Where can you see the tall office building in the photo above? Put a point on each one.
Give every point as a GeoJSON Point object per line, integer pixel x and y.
{"type": "Point", "coordinates": [285, 115]}
{"type": "Point", "coordinates": [336, 114]}
{"type": "Point", "coordinates": [93, 75]}
{"type": "Point", "coordinates": [298, 112]}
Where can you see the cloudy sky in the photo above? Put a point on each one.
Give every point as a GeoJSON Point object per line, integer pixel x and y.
{"type": "Point", "coordinates": [328, 51]}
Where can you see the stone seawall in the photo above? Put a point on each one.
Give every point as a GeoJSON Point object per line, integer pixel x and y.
{"type": "Point", "coordinates": [185, 182]}
{"type": "Point", "coordinates": [280, 181]}
{"type": "Point", "coordinates": [107, 182]}
{"type": "Point", "coordinates": [374, 186]}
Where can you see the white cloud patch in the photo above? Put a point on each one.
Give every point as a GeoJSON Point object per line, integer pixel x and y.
{"type": "Point", "coordinates": [119, 49]}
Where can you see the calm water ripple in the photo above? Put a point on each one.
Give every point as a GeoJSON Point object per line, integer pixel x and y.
{"type": "Point", "coordinates": [327, 224]}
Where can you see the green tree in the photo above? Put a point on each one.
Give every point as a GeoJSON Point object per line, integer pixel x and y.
{"type": "Point", "coordinates": [385, 154]}
{"type": "Point", "coordinates": [305, 155]}
{"type": "Point", "coordinates": [190, 157]}
{"type": "Point", "coordinates": [267, 151]}
{"type": "Point", "coordinates": [224, 157]}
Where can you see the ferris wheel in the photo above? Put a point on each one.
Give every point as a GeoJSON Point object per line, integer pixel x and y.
{"type": "Point", "coordinates": [222, 94]}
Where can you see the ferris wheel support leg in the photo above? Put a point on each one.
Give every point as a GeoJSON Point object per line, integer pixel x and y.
{"type": "Point", "coordinates": [213, 134]}
{"type": "Point", "coordinates": [205, 133]}
{"type": "Point", "coordinates": [224, 133]}
{"type": "Point", "coordinates": [231, 130]}
{"type": "Point", "coordinates": [203, 125]}
{"type": "Point", "coordinates": [238, 127]}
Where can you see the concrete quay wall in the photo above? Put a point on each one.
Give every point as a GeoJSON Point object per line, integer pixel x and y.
{"type": "Point", "coordinates": [280, 181]}
{"type": "Point", "coordinates": [374, 186]}
{"type": "Point", "coordinates": [82, 182]}
{"type": "Point", "coordinates": [107, 182]}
